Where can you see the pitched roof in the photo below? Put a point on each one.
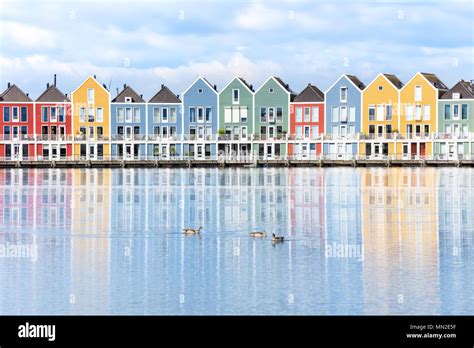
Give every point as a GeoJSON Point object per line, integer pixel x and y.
{"type": "Point", "coordinates": [128, 92]}
{"type": "Point", "coordinates": [52, 94]}
{"type": "Point", "coordinates": [356, 81]}
{"type": "Point", "coordinates": [394, 80]}
{"type": "Point", "coordinates": [464, 88]}
{"type": "Point", "coordinates": [310, 94]}
{"type": "Point", "coordinates": [246, 84]}
{"type": "Point", "coordinates": [14, 94]}
{"type": "Point", "coordinates": [165, 96]}
{"type": "Point", "coordinates": [436, 82]}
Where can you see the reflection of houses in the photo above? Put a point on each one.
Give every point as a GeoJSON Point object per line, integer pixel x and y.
{"type": "Point", "coordinates": [399, 217]}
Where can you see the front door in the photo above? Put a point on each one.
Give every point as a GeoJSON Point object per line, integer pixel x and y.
{"type": "Point", "coordinates": [414, 151]}
{"type": "Point", "coordinates": [199, 151]}
{"type": "Point", "coordinates": [304, 151]}
{"type": "Point", "coordinates": [164, 151]}
{"type": "Point", "coordinates": [54, 152]}
{"type": "Point", "coordinates": [269, 150]}
{"type": "Point", "coordinates": [91, 152]}
{"type": "Point", "coordinates": [128, 151]}
{"type": "Point", "coordinates": [422, 150]}
{"type": "Point", "coordinates": [128, 133]}
{"type": "Point", "coordinates": [17, 152]}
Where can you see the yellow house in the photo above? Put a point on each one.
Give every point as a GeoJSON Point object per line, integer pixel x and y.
{"type": "Point", "coordinates": [91, 121]}
{"type": "Point", "coordinates": [380, 116]}
{"type": "Point", "coordinates": [418, 114]}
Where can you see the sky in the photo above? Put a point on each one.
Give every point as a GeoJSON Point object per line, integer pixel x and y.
{"type": "Point", "coordinates": [148, 43]}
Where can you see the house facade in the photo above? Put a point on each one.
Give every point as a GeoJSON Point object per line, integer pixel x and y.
{"type": "Point", "coordinates": [200, 119]}
{"type": "Point", "coordinates": [343, 101]}
{"type": "Point", "coordinates": [380, 100]}
{"type": "Point", "coordinates": [455, 122]}
{"type": "Point", "coordinates": [53, 124]}
{"type": "Point", "coordinates": [418, 115]}
{"type": "Point", "coordinates": [16, 124]}
{"type": "Point", "coordinates": [128, 124]}
{"type": "Point", "coordinates": [165, 124]}
{"type": "Point", "coordinates": [306, 123]}
{"type": "Point", "coordinates": [91, 120]}
{"type": "Point", "coordinates": [271, 122]}
{"type": "Point", "coordinates": [236, 118]}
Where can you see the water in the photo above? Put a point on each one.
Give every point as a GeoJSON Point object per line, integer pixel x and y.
{"type": "Point", "coordinates": [358, 241]}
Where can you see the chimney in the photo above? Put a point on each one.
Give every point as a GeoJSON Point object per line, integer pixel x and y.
{"type": "Point", "coordinates": [54, 80]}
{"type": "Point", "coordinates": [124, 85]}
{"type": "Point", "coordinates": [215, 87]}
{"type": "Point", "coordinates": [104, 85]}
{"type": "Point", "coordinates": [472, 82]}
{"type": "Point", "coordinates": [141, 96]}
{"type": "Point", "coordinates": [27, 94]}
{"type": "Point", "coordinates": [117, 91]}
{"type": "Point", "coordinates": [8, 85]}
{"type": "Point", "coordinates": [162, 86]}
{"type": "Point", "coordinates": [287, 86]}
{"type": "Point", "coordinates": [177, 96]}
{"type": "Point", "coordinates": [95, 77]}
{"type": "Point", "coordinates": [251, 88]}
{"type": "Point", "coordinates": [47, 85]}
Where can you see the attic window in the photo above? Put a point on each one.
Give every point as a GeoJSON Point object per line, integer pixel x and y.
{"type": "Point", "coordinates": [128, 99]}
{"type": "Point", "coordinates": [200, 90]}
{"type": "Point", "coordinates": [456, 95]}
{"type": "Point", "coordinates": [380, 88]}
{"type": "Point", "coordinates": [271, 90]}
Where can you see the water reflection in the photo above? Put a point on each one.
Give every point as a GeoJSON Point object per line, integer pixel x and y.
{"type": "Point", "coordinates": [359, 241]}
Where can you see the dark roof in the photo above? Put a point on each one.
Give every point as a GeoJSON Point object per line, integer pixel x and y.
{"type": "Point", "coordinates": [310, 94]}
{"type": "Point", "coordinates": [464, 88]}
{"type": "Point", "coordinates": [284, 85]}
{"type": "Point", "coordinates": [214, 87]}
{"type": "Point", "coordinates": [165, 96]}
{"type": "Point", "coordinates": [51, 95]}
{"type": "Point", "coordinates": [436, 82]}
{"type": "Point", "coordinates": [356, 81]}
{"type": "Point", "coordinates": [14, 94]}
{"type": "Point", "coordinates": [245, 83]}
{"type": "Point", "coordinates": [128, 92]}
{"type": "Point", "coordinates": [395, 80]}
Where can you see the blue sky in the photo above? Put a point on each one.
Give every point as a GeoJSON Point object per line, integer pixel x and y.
{"type": "Point", "coordinates": [146, 43]}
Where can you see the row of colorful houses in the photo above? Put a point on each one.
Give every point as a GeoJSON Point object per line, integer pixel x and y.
{"type": "Point", "coordinates": [420, 118]}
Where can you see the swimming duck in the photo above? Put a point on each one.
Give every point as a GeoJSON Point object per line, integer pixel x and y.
{"type": "Point", "coordinates": [277, 239]}
{"type": "Point", "coordinates": [258, 234]}
{"type": "Point", "coordinates": [190, 231]}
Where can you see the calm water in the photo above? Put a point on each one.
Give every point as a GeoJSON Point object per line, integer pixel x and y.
{"type": "Point", "coordinates": [359, 241]}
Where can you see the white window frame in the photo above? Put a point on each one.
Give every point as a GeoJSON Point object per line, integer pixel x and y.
{"type": "Point", "coordinates": [453, 116]}
{"type": "Point", "coordinates": [343, 116]}
{"type": "Point", "coordinates": [156, 115]}
{"type": "Point", "coordinates": [418, 112]}
{"type": "Point", "coordinates": [315, 114]}
{"type": "Point", "coordinates": [17, 118]}
{"type": "Point", "coordinates": [90, 95]}
{"type": "Point", "coordinates": [372, 108]}
{"type": "Point", "coordinates": [307, 115]}
{"type": "Point", "coordinates": [235, 101]}
{"type": "Point", "coordinates": [341, 99]}
{"type": "Point", "coordinates": [418, 93]}
{"type": "Point", "coordinates": [243, 114]}
{"type": "Point", "coordinates": [53, 118]}
{"type": "Point", "coordinates": [299, 114]}
{"type": "Point", "coordinates": [120, 116]}
{"type": "Point", "coordinates": [273, 116]}
{"type": "Point", "coordinates": [173, 115]}
{"type": "Point", "coordinates": [426, 112]}
{"type": "Point", "coordinates": [200, 118]}
{"type": "Point", "coordinates": [136, 115]}
{"type": "Point", "coordinates": [409, 112]}
{"type": "Point", "coordinates": [235, 114]}
{"type": "Point", "coordinates": [352, 113]}
{"type": "Point", "coordinates": [82, 114]}
{"type": "Point", "coordinates": [335, 114]}
{"type": "Point", "coordinates": [99, 114]}
{"type": "Point", "coordinates": [164, 111]}
{"type": "Point", "coordinates": [228, 114]}
{"type": "Point", "coordinates": [380, 112]}
{"type": "Point", "coordinates": [128, 115]}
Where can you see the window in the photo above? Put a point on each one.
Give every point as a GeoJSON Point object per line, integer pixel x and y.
{"type": "Point", "coordinates": [227, 114]}
{"type": "Point", "coordinates": [128, 99]}
{"type": "Point", "coordinates": [343, 113]}
{"type": "Point", "coordinates": [200, 90]}
{"type": "Point", "coordinates": [307, 114]}
{"type": "Point", "coordinates": [192, 115]}
{"type": "Point", "coordinates": [279, 115]}
{"type": "Point", "coordinates": [455, 112]}
{"type": "Point", "coordinates": [371, 129]}
{"type": "Point", "coordinates": [417, 93]}
{"type": "Point", "coordinates": [61, 117]}
{"type": "Point", "coordinates": [91, 114]}
{"type": "Point", "coordinates": [263, 114]}
{"type": "Point", "coordinates": [380, 112]}
{"type": "Point", "coordinates": [15, 114]}
{"type": "Point", "coordinates": [464, 111]}
{"type": "Point", "coordinates": [315, 114]}
{"type": "Point", "coordinates": [343, 94]}
{"type": "Point", "coordinates": [299, 132]}
{"type": "Point", "coordinates": [235, 96]}
{"type": "Point", "coordinates": [244, 132]}
{"type": "Point", "coordinates": [44, 114]}
{"type": "Point", "coordinates": [90, 95]}
{"type": "Point", "coordinates": [315, 132]}
{"type": "Point", "coordinates": [173, 115]}
{"type": "Point", "coordinates": [200, 115]}
{"type": "Point", "coordinates": [6, 114]}
{"type": "Point", "coordinates": [235, 114]}
{"type": "Point", "coordinates": [299, 114]}
{"type": "Point", "coordinates": [335, 131]}
{"type": "Point", "coordinates": [409, 112]}
{"type": "Point", "coordinates": [164, 115]}
{"type": "Point", "coordinates": [243, 115]}
{"type": "Point", "coordinates": [24, 113]}
{"type": "Point", "coordinates": [128, 115]}
{"type": "Point", "coordinates": [209, 114]}
{"type": "Point", "coordinates": [271, 114]}
{"type": "Point", "coordinates": [388, 113]}
{"type": "Point", "coordinates": [156, 115]}
{"type": "Point", "coordinates": [447, 112]}
{"type": "Point", "coordinates": [156, 130]}
{"type": "Point", "coordinates": [136, 115]}
{"type": "Point", "coordinates": [426, 112]}
{"type": "Point", "coordinates": [271, 90]}
{"type": "Point", "coordinates": [380, 88]}
{"type": "Point", "coordinates": [417, 112]}
{"type": "Point", "coordinates": [120, 117]}
{"type": "Point", "coordinates": [100, 115]}
{"type": "Point", "coordinates": [306, 132]}
{"type": "Point", "coordinates": [82, 115]}
{"type": "Point", "coordinates": [447, 128]}
{"type": "Point", "coordinates": [24, 130]}
{"type": "Point", "coordinates": [54, 117]}
{"type": "Point", "coordinates": [352, 113]}
{"type": "Point", "coordinates": [120, 132]}
{"type": "Point", "coordinates": [371, 113]}
{"type": "Point", "coordinates": [6, 132]}
{"type": "Point", "coordinates": [335, 114]}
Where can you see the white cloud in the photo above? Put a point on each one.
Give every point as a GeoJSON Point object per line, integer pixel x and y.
{"type": "Point", "coordinates": [26, 35]}
{"type": "Point", "coordinates": [259, 17]}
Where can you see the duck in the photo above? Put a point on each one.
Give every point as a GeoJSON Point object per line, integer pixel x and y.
{"type": "Point", "coordinates": [277, 239]}
{"type": "Point", "coordinates": [258, 234]}
{"type": "Point", "coordinates": [190, 231]}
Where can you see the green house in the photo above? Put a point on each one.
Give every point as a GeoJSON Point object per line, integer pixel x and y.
{"type": "Point", "coordinates": [272, 109]}
{"type": "Point", "coordinates": [455, 122]}
{"type": "Point", "coordinates": [236, 111]}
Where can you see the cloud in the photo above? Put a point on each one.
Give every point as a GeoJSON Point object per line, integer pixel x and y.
{"type": "Point", "coordinates": [259, 17]}
{"type": "Point", "coordinates": [26, 36]}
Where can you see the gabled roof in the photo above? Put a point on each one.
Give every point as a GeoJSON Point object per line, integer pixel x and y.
{"type": "Point", "coordinates": [52, 95]}
{"type": "Point", "coordinates": [284, 85]}
{"type": "Point", "coordinates": [93, 78]}
{"type": "Point", "coordinates": [394, 80]}
{"type": "Point", "coordinates": [433, 81]}
{"type": "Point", "coordinates": [310, 94]}
{"type": "Point", "coordinates": [358, 83]}
{"type": "Point", "coordinates": [464, 88]}
{"type": "Point", "coordinates": [242, 81]}
{"type": "Point", "coordinates": [14, 94]}
{"type": "Point", "coordinates": [205, 81]}
{"type": "Point", "coordinates": [250, 87]}
{"type": "Point", "coordinates": [165, 96]}
{"type": "Point", "coordinates": [128, 92]}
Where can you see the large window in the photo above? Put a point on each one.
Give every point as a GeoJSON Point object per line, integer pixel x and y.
{"type": "Point", "coordinates": [279, 112]}
{"type": "Point", "coordinates": [200, 117]}
{"type": "Point", "coordinates": [235, 96]}
{"type": "Point", "coordinates": [315, 132]}
{"type": "Point", "coordinates": [228, 114]}
{"type": "Point", "coordinates": [352, 113]}
{"type": "Point", "coordinates": [343, 94]}
{"type": "Point", "coordinates": [120, 117]}
{"type": "Point", "coordinates": [91, 114]}
{"type": "Point", "coordinates": [136, 115]}
{"type": "Point", "coordinates": [447, 112]}
{"type": "Point", "coordinates": [315, 114]}
{"type": "Point", "coordinates": [263, 114]}
{"type": "Point", "coordinates": [156, 115]}
{"type": "Point", "coordinates": [307, 115]}
{"type": "Point", "coordinates": [426, 112]}
{"type": "Point", "coordinates": [128, 115]}
{"type": "Point", "coordinates": [388, 114]}
{"type": "Point", "coordinates": [208, 114]}
{"type": "Point", "coordinates": [100, 115]}
{"type": "Point", "coordinates": [44, 114]}
{"type": "Point", "coordinates": [54, 116]}
{"type": "Point", "coordinates": [409, 112]}
{"type": "Point", "coordinates": [343, 113]}
{"type": "Point", "coordinates": [173, 115]}
{"type": "Point", "coordinates": [15, 116]}
{"type": "Point", "coordinates": [90, 95]}
{"type": "Point", "coordinates": [243, 114]}
{"type": "Point", "coordinates": [82, 114]}
{"type": "Point", "coordinates": [464, 111]}
{"type": "Point", "coordinates": [6, 114]}
{"type": "Point", "coordinates": [418, 93]}
{"type": "Point", "coordinates": [299, 114]}
{"type": "Point", "coordinates": [61, 116]}
{"type": "Point", "coordinates": [371, 113]}
{"type": "Point", "coordinates": [271, 114]}
{"type": "Point", "coordinates": [192, 115]}
{"type": "Point", "coordinates": [418, 112]}
{"type": "Point", "coordinates": [235, 114]}
{"type": "Point", "coordinates": [335, 114]}
{"type": "Point", "coordinates": [24, 114]}
{"type": "Point", "coordinates": [164, 115]}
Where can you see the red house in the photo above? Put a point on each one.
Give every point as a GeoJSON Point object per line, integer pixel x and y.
{"type": "Point", "coordinates": [16, 124]}
{"type": "Point", "coordinates": [53, 124]}
{"type": "Point", "coordinates": [306, 123]}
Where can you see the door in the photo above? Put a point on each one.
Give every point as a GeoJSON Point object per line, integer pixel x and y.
{"type": "Point", "coordinates": [451, 151]}
{"type": "Point", "coordinates": [54, 152]}
{"type": "Point", "coordinates": [379, 131]}
{"type": "Point", "coordinates": [304, 151]}
{"type": "Point", "coordinates": [54, 133]}
{"type": "Point", "coordinates": [413, 151]}
{"type": "Point", "coordinates": [269, 150]}
{"type": "Point", "coordinates": [91, 152]}
{"type": "Point", "coordinates": [199, 151]}
{"type": "Point", "coordinates": [377, 151]}
{"type": "Point", "coordinates": [422, 150]}
{"type": "Point", "coordinates": [340, 151]}
{"type": "Point", "coordinates": [243, 150]}
{"type": "Point", "coordinates": [128, 151]}
{"type": "Point", "coordinates": [164, 151]}
{"type": "Point", "coordinates": [405, 152]}
{"type": "Point", "coordinates": [128, 133]}
{"type": "Point", "coordinates": [17, 152]}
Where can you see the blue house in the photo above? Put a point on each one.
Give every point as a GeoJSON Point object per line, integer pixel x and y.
{"type": "Point", "coordinates": [165, 124]}
{"type": "Point", "coordinates": [343, 117]}
{"type": "Point", "coordinates": [128, 124]}
{"type": "Point", "coordinates": [200, 118]}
